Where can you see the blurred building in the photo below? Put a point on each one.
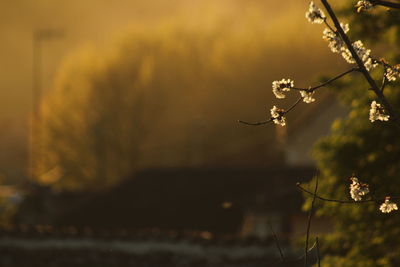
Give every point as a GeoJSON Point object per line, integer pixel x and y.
{"type": "Point", "coordinates": [235, 201]}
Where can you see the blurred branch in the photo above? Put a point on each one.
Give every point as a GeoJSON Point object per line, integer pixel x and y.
{"type": "Point", "coordinates": [385, 3]}
{"type": "Point", "coordinates": [318, 255]}
{"type": "Point", "coordinates": [301, 257]}
{"type": "Point", "coordinates": [309, 222]}
{"type": "Point", "coordinates": [384, 82]}
{"type": "Point", "coordinates": [276, 242]}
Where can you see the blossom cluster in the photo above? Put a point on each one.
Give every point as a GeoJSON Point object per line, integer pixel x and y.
{"type": "Point", "coordinates": [377, 112]}
{"type": "Point", "coordinates": [307, 96]}
{"type": "Point", "coordinates": [363, 53]}
{"type": "Point", "coordinates": [336, 43]}
{"type": "Point", "coordinates": [388, 206]}
{"type": "Point", "coordinates": [392, 73]}
{"type": "Point", "coordinates": [278, 87]}
{"type": "Point", "coordinates": [277, 115]}
{"type": "Point", "coordinates": [357, 189]}
{"type": "Point", "coordinates": [314, 14]}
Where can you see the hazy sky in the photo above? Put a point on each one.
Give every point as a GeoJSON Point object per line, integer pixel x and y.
{"type": "Point", "coordinates": [100, 22]}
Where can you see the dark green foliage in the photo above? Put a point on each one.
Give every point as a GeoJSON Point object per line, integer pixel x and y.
{"type": "Point", "coordinates": [371, 151]}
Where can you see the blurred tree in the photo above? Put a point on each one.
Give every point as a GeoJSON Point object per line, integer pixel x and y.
{"type": "Point", "coordinates": [92, 123]}
{"type": "Point", "coordinates": [165, 96]}
{"type": "Point", "coordinates": [363, 235]}
{"type": "Point", "coordinates": [103, 106]}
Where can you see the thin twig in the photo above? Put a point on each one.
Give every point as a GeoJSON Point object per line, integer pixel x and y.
{"type": "Point", "coordinates": [255, 123]}
{"type": "Point", "coordinates": [328, 81]}
{"type": "Point", "coordinates": [335, 78]}
{"type": "Point", "coordinates": [343, 201]}
{"type": "Point", "coordinates": [328, 25]}
{"type": "Point", "coordinates": [271, 119]}
{"type": "Point", "coordinates": [318, 255]}
{"type": "Point", "coordinates": [360, 64]}
{"type": "Point", "coordinates": [294, 105]}
{"type": "Point", "coordinates": [276, 242]}
{"type": "Point", "coordinates": [309, 222]}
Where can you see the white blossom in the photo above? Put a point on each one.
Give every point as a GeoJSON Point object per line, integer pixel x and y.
{"type": "Point", "coordinates": [336, 43]}
{"type": "Point", "coordinates": [278, 87]}
{"type": "Point", "coordinates": [315, 14]}
{"type": "Point", "coordinates": [363, 5]}
{"type": "Point", "coordinates": [277, 116]}
{"type": "Point", "coordinates": [377, 112]}
{"type": "Point", "coordinates": [307, 96]}
{"type": "Point", "coordinates": [370, 64]}
{"type": "Point", "coordinates": [345, 27]}
{"type": "Point", "coordinates": [362, 52]}
{"type": "Point", "coordinates": [357, 189]}
{"type": "Point", "coordinates": [388, 206]}
{"type": "Point", "coordinates": [392, 73]}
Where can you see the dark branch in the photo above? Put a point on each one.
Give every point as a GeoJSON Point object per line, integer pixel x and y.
{"type": "Point", "coordinates": [335, 78]}
{"type": "Point", "coordinates": [294, 105]}
{"type": "Point", "coordinates": [329, 26]}
{"type": "Point", "coordinates": [255, 123]}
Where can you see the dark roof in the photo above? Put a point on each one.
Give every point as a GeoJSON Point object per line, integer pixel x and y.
{"type": "Point", "coordinates": [179, 199]}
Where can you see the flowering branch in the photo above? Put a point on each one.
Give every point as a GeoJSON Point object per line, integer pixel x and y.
{"type": "Point", "coordinates": [308, 91]}
{"type": "Point", "coordinates": [353, 53]}
{"type": "Point", "coordinates": [360, 63]}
